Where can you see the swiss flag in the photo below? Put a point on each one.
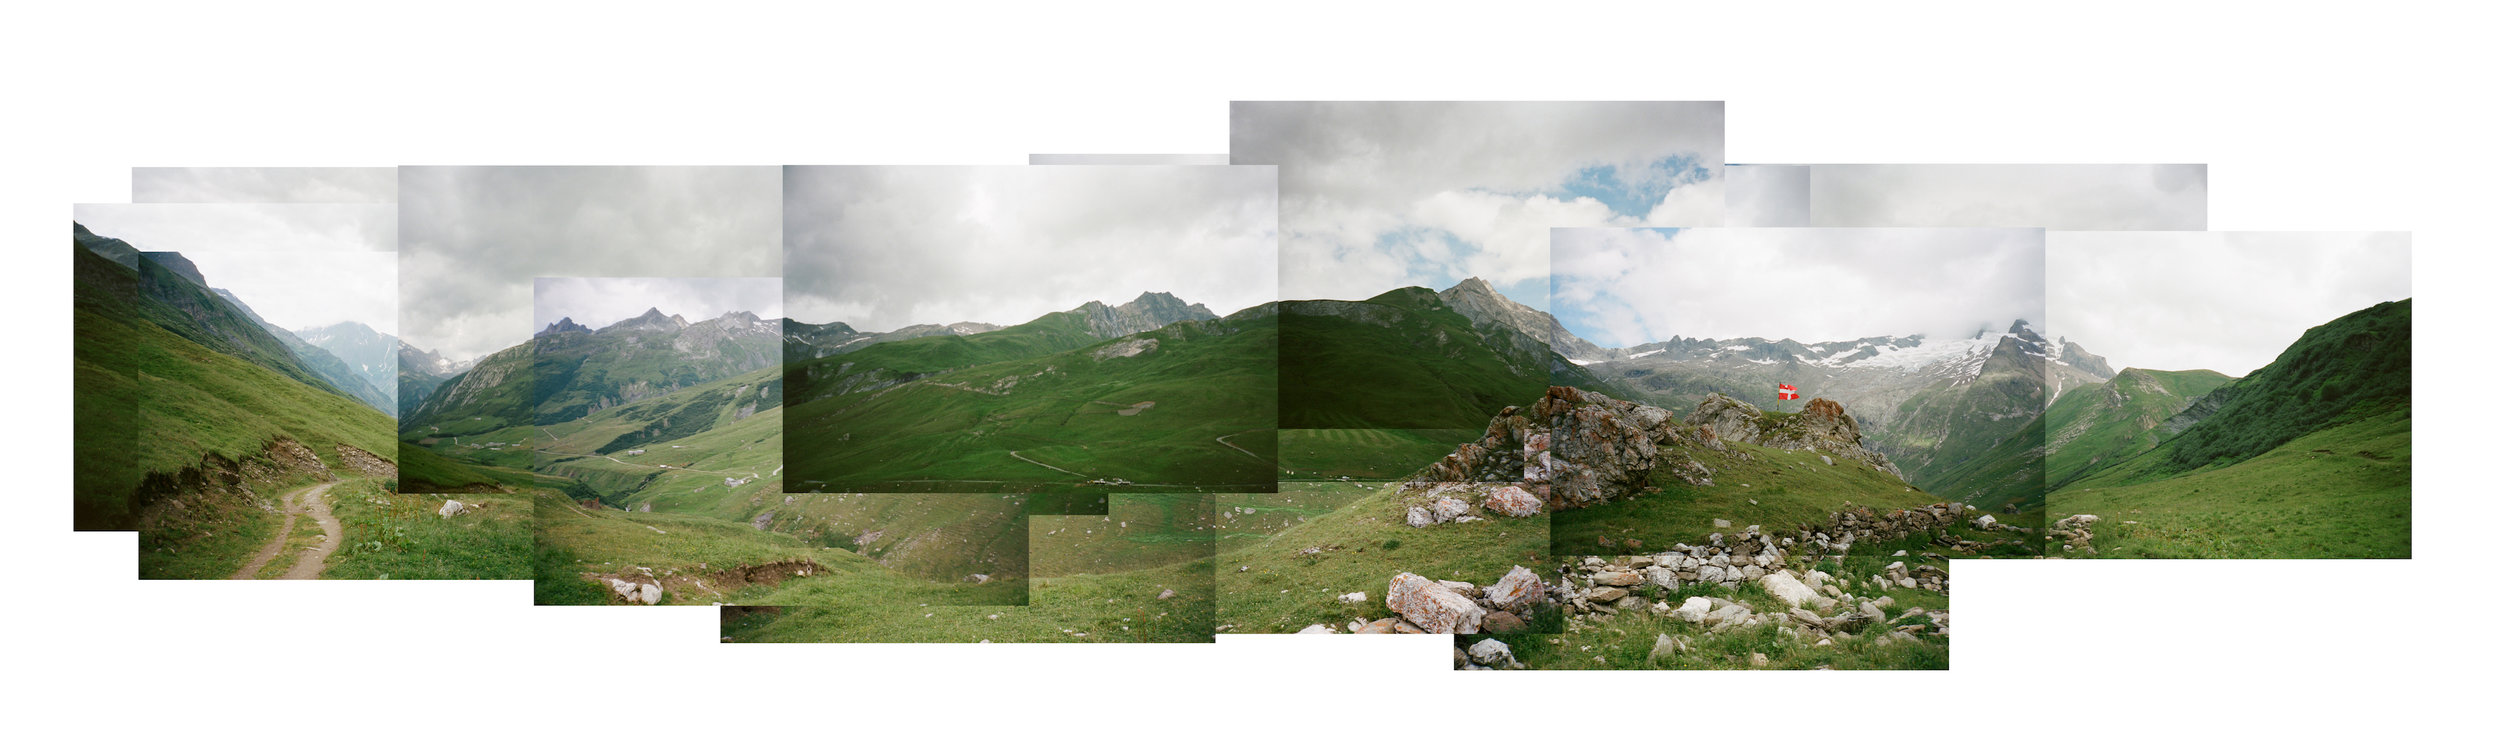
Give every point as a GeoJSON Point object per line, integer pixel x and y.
{"type": "Point", "coordinates": [1788, 392]}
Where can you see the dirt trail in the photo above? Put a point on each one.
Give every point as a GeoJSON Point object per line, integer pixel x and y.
{"type": "Point", "coordinates": [306, 501]}
{"type": "Point", "coordinates": [1020, 457]}
{"type": "Point", "coordinates": [1244, 451]}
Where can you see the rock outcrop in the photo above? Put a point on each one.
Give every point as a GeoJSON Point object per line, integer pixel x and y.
{"type": "Point", "coordinates": [1822, 427]}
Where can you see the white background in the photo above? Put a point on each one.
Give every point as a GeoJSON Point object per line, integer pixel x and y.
{"type": "Point", "coordinates": [2366, 119]}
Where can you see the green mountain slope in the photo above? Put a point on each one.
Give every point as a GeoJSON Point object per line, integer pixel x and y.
{"type": "Point", "coordinates": [1979, 440]}
{"type": "Point", "coordinates": [2098, 426]}
{"type": "Point", "coordinates": [329, 367]}
{"type": "Point", "coordinates": [150, 404]}
{"type": "Point", "coordinates": [1190, 404]}
{"type": "Point", "coordinates": [116, 281]}
{"type": "Point", "coordinates": [1401, 359]}
{"type": "Point", "coordinates": [2354, 367]}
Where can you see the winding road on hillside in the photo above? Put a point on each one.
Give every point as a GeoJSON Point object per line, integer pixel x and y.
{"type": "Point", "coordinates": [311, 501]}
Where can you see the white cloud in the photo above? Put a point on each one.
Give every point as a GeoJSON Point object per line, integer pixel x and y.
{"type": "Point", "coordinates": [2054, 196]}
{"type": "Point", "coordinates": [1362, 182]}
{"type": "Point", "coordinates": [370, 185]}
{"type": "Point", "coordinates": [2225, 301]}
{"type": "Point", "coordinates": [475, 239]}
{"type": "Point", "coordinates": [1767, 196]}
{"type": "Point", "coordinates": [882, 247]}
{"type": "Point", "coordinates": [1624, 287]}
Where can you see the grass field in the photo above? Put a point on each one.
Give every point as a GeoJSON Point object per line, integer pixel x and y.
{"type": "Point", "coordinates": [385, 535]}
{"type": "Point", "coordinates": [2342, 492]}
{"type": "Point", "coordinates": [1366, 453]}
{"type": "Point", "coordinates": [1362, 540]}
{"type": "Point", "coordinates": [1777, 489]}
{"type": "Point", "coordinates": [1100, 579]}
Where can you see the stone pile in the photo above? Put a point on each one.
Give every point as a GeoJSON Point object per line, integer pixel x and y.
{"type": "Point", "coordinates": [1597, 585]}
{"type": "Point", "coordinates": [635, 593]}
{"type": "Point", "coordinates": [2074, 532]}
{"type": "Point", "coordinates": [1818, 607]}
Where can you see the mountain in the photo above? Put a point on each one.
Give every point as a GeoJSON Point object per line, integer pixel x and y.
{"type": "Point", "coordinates": [1048, 402]}
{"type": "Point", "coordinates": [1405, 358]}
{"type": "Point", "coordinates": [1149, 311]}
{"type": "Point", "coordinates": [2098, 426]}
{"type": "Point", "coordinates": [177, 392]}
{"type": "Point", "coordinates": [1476, 299]}
{"type": "Point", "coordinates": [2352, 367]}
{"type": "Point", "coordinates": [568, 371]}
{"type": "Point", "coordinates": [811, 341]}
{"type": "Point", "coordinates": [340, 374]}
{"type": "Point", "coordinates": [420, 373]}
{"type": "Point", "coordinates": [1957, 414]}
{"type": "Point", "coordinates": [373, 355]}
{"type": "Point", "coordinates": [124, 283]}
{"type": "Point", "coordinates": [2310, 456]}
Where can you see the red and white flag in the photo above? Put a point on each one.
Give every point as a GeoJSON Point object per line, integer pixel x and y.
{"type": "Point", "coordinates": [1788, 392]}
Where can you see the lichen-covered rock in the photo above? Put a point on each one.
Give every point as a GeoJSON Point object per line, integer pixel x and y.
{"type": "Point", "coordinates": [1431, 606]}
{"type": "Point", "coordinates": [1518, 591]}
{"type": "Point", "coordinates": [1512, 501]}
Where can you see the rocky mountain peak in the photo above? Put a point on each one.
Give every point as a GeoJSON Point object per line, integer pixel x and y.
{"type": "Point", "coordinates": [651, 320]}
{"type": "Point", "coordinates": [563, 325]}
{"type": "Point", "coordinates": [1151, 310]}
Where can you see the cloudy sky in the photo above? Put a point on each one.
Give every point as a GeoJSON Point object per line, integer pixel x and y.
{"type": "Point", "coordinates": [2055, 196]}
{"type": "Point", "coordinates": [1624, 287]}
{"type": "Point", "coordinates": [298, 266]}
{"type": "Point", "coordinates": [598, 302]}
{"type": "Point", "coordinates": [882, 247]}
{"type": "Point", "coordinates": [1769, 196]}
{"type": "Point", "coordinates": [378, 185]}
{"type": "Point", "coordinates": [1382, 195]}
{"type": "Point", "coordinates": [474, 240]}
{"type": "Point", "coordinates": [2229, 302]}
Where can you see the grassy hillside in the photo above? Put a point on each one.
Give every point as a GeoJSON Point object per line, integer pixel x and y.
{"type": "Point", "coordinates": [143, 291]}
{"type": "Point", "coordinates": [1284, 562]}
{"type": "Point", "coordinates": [2353, 367]}
{"type": "Point", "coordinates": [902, 361]}
{"type": "Point", "coordinates": [1777, 489]}
{"type": "Point", "coordinates": [386, 535]}
{"type": "Point", "coordinates": [1196, 409]}
{"type": "Point", "coordinates": [1399, 360]}
{"type": "Point", "coordinates": [1978, 440]}
{"type": "Point", "coordinates": [494, 394]}
{"type": "Point", "coordinates": [2012, 472]}
{"type": "Point", "coordinates": [2342, 492]}
{"type": "Point", "coordinates": [576, 374]}
{"type": "Point", "coordinates": [2095, 427]}
{"type": "Point", "coordinates": [1122, 607]}
{"type": "Point", "coordinates": [149, 402]}
{"type": "Point", "coordinates": [1366, 453]}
